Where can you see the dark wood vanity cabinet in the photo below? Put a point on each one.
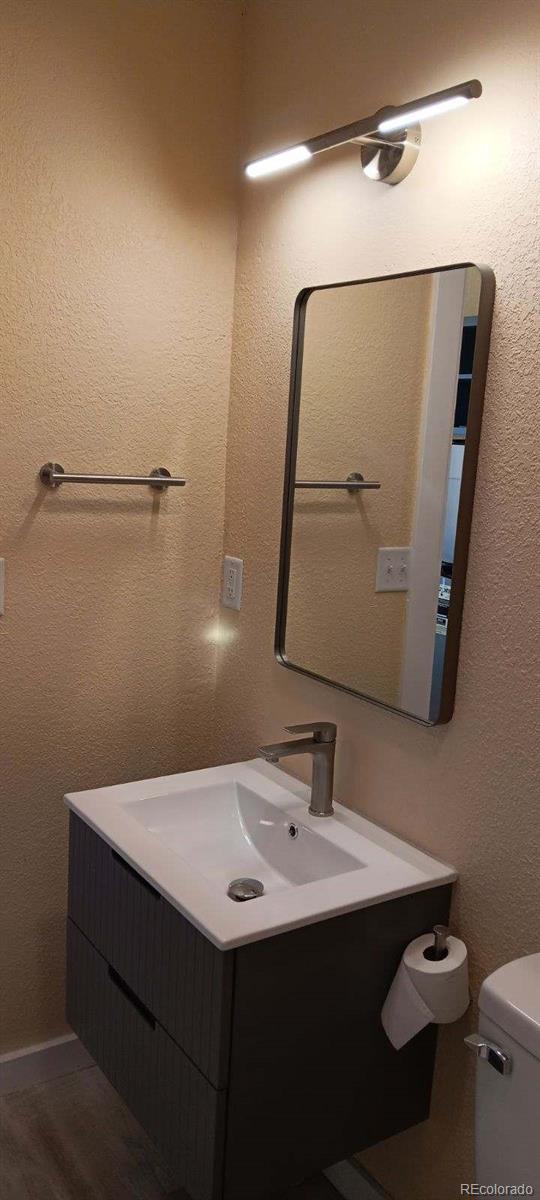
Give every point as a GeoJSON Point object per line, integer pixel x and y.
{"type": "Point", "coordinates": [250, 1068]}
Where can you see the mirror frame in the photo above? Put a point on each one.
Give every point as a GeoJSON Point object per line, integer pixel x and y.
{"type": "Point", "coordinates": [466, 498]}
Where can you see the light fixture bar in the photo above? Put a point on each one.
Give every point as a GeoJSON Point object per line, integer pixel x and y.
{"type": "Point", "coordinates": [429, 106]}
{"type": "Point", "coordinates": [392, 117]}
{"type": "Point", "coordinates": [413, 115]}
{"type": "Point", "coordinates": [278, 162]}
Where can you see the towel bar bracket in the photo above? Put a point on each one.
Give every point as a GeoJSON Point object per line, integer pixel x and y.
{"type": "Point", "coordinates": [48, 472]}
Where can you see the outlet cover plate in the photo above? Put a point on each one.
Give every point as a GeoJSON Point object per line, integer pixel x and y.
{"type": "Point", "coordinates": [232, 582]}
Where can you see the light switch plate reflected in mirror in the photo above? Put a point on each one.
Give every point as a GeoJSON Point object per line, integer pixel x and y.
{"type": "Point", "coordinates": [387, 387]}
{"type": "Point", "coordinates": [392, 569]}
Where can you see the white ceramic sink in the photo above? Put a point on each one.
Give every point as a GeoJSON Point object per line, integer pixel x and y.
{"type": "Point", "coordinates": [190, 835]}
{"type": "Point", "coordinates": [228, 826]}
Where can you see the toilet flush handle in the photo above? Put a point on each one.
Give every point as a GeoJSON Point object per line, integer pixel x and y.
{"type": "Point", "coordinates": [490, 1053]}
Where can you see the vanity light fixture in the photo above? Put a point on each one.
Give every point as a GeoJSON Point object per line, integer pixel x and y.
{"type": "Point", "coordinates": [389, 139]}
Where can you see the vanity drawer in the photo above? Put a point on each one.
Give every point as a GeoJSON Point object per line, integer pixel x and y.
{"type": "Point", "coordinates": [175, 971]}
{"type": "Point", "coordinates": [182, 1113]}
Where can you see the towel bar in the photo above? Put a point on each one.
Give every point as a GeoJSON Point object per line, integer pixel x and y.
{"type": "Point", "coordinates": [52, 475]}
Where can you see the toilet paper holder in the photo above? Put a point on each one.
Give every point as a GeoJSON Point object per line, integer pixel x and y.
{"type": "Point", "coordinates": [490, 1052]}
{"type": "Point", "coordinates": [431, 986]}
{"type": "Point", "coordinates": [439, 949]}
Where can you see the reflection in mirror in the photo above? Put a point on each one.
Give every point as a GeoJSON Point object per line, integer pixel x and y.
{"type": "Point", "coordinates": [386, 399]}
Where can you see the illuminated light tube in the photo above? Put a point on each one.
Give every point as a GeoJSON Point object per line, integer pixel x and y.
{"type": "Point", "coordinates": [422, 113]}
{"type": "Point", "coordinates": [278, 162]}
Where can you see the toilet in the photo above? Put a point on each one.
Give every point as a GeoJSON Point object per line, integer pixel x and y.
{"type": "Point", "coordinates": [508, 1076]}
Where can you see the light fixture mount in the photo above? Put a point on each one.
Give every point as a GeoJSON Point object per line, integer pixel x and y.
{"type": "Point", "coordinates": [389, 158]}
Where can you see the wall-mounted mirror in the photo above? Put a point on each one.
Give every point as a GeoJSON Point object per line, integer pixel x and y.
{"type": "Point", "coordinates": [387, 388]}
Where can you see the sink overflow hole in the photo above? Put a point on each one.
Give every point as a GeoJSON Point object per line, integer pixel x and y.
{"type": "Point", "coordinates": [293, 830]}
{"type": "Point", "coordinates": [245, 889]}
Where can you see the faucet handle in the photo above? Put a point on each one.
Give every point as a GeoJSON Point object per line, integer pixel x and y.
{"type": "Point", "coordinates": [323, 731]}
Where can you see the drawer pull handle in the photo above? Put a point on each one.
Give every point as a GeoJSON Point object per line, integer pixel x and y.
{"type": "Point", "coordinates": [140, 878]}
{"type": "Point", "coordinates": [133, 999]}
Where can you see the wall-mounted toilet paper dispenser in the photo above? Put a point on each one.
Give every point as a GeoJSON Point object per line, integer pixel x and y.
{"type": "Point", "coordinates": [439, 949]}
{"type": "Point", "coordinates": [431, 985]}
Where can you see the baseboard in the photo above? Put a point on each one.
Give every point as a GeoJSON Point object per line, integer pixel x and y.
{"type": "Point", "coordinates": [37, 1064]}
{"type": "Point", "coordinates": [353, 1183]}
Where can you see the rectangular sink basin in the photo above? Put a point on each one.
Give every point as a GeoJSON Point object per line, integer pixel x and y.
{"type": "Point", "coordinates": [191, 835]}
{"type": "Point", "coordinates": [228, 826]}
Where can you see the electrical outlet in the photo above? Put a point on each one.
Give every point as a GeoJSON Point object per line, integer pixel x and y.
{"type": "Point", "coordinates": [392, 569]}
{"type": "Point", "coordinates": [233, 576]}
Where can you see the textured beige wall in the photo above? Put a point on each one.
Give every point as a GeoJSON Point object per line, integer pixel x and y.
{"type": "Point", "coordinates": [118, 185]}
{"type": "Point", "coordinates": [468, 791]}
{"type": "Point", "coordinates": [363, 385]}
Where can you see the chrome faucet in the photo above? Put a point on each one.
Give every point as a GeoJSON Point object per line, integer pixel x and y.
{"type": "Point", "coordinates": [322, 747]}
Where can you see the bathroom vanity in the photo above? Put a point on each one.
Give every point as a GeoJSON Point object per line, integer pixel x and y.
{"type": "Point", "coordinates": [246, 1037]}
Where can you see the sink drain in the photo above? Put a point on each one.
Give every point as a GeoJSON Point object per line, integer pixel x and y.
{"type": "Point", "coordinates": [245, 889]}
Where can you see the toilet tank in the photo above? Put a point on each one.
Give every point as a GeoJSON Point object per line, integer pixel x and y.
{"type": "Point", "coordinates": [508, 1105]}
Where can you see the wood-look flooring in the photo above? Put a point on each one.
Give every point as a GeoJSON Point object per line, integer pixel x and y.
{"type": "Point", "coordinates": [73, 1139]}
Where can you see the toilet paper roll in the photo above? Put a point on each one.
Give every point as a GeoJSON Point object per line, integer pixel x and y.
{"type": "Point", "coordinates": [424, 991]}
